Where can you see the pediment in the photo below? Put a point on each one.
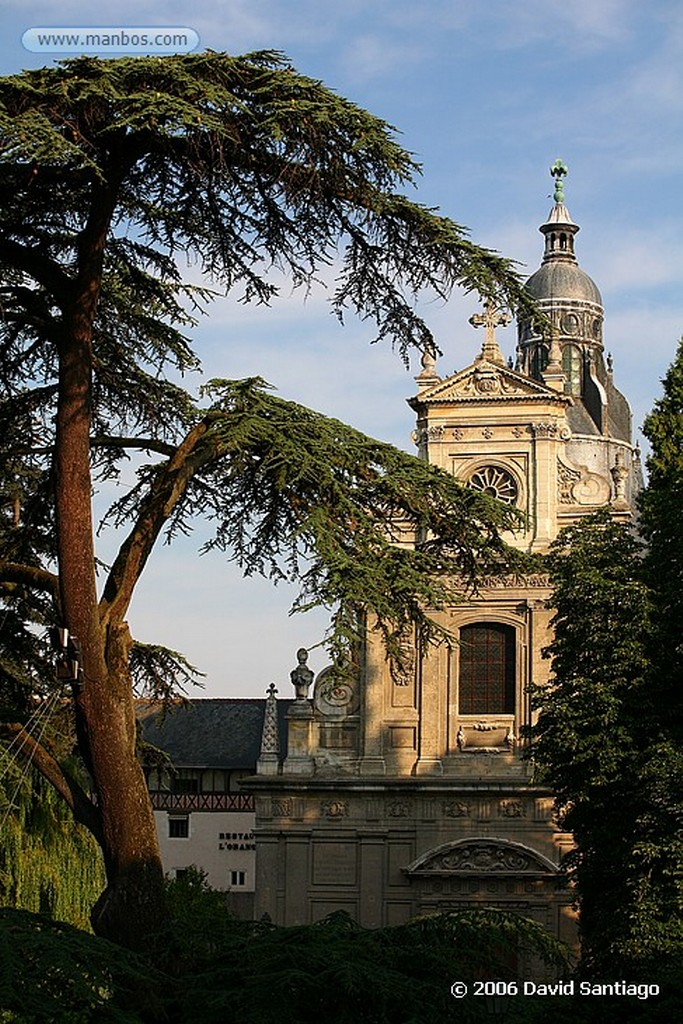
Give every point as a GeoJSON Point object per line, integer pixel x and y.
{"type": "Point", "coordinates": [481, 856]}
{"type": "Point", "coordinates": [486, 381]}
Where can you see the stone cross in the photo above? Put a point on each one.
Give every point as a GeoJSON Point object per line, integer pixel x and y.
{"type": "Point", "coordinates": [490, 319]}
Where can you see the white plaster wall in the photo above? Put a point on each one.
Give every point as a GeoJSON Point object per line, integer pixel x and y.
{"type": "Point", "coordinates": [219, 843]}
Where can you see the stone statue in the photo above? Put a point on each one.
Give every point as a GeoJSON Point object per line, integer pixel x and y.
{"type": "Point", "coordinates": [301, 676]}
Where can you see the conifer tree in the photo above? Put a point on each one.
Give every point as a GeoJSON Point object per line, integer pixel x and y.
{"type": "Point", "coordinates": [112, 174]}
{"type": "Point", "coordinates": [659, 523]}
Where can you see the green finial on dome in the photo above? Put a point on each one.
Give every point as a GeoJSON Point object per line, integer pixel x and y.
{"type": "Point", "coordinates": [559, 170]}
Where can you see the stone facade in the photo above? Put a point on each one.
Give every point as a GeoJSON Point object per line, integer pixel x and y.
{"type": "Point", "coordinates": [404, 790]}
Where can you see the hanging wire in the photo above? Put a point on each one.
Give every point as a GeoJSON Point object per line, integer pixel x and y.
{"type": "Point", "coordinates": [44, 719]}
{"type": "Point", "coordinates": [19, 740]}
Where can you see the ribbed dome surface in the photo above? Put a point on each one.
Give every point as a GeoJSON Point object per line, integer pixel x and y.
{"type": "Point", "coordinates": [563, 279]}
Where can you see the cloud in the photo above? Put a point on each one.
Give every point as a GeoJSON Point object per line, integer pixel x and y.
{"type": "Point", "coordinates": [369, 56]}
{"type": "Point", "coordinates": [643, 258]}
{"type": "Point", "coordinates": [580, 25]}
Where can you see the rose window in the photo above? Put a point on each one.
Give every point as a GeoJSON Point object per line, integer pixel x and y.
{"type": "Point", "coordinates": [495, 481]}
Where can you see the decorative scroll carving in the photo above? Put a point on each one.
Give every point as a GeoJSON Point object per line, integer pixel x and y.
{"type": "Point", "coordinates": [566, 478]}
{"type": "Point", "coordinates": [578, 486]}
{"type": "Point", "coordinates": [486, 382]}
{"type": "Point", "coordinates": [333, 696]}
{"type": "Point", "coordinates": [481, 856]}
{"type": "Point", "coordinates": [592, 490]}
{"type": "Point", "coordinates": [334, 808]}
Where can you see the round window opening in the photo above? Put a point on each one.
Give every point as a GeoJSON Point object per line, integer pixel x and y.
{"type": "Point", "coordinates": [495, 481]}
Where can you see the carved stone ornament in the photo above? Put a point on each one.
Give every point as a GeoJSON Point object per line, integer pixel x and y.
{"type": "Point", "coordinates": [282, 808]}
{"type": "Point", "coordinates": [402, 668]}
{"type": "Point", "coordinates": [578, 486]}
{"type": "Point", "coordinates": [398, 809]}
{"type": "Point", "coordinates": [486, 382]}
{"type": "Point", "coordinates": [566, 478]}
{"type": "Point", "coordinates": [511, 809]}
{"type": "Point", "coordinates": [481, 855]}
{"type": "Point", "coordinates": [496, 481]}
{"type": "Point", "coordinates": [545, 429]}
{"type": "Point", "coordinates": [334, 808]}
{"type": "Point", "coordinates": [534, 579]}
{"type": "Point", "coordinates": [455, 809]}
{"type": "Point", "coordinates": [334, 696]}
{"type": "Point", "coordinates": [619, 474]}
{"type": "Point", "coordinates": [302, 675]}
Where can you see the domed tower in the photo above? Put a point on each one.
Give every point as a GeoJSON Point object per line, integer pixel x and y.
{"type": "Point", "coordinates": [404, 790]}
{"type": "Point", "coordinates": [567, 348]}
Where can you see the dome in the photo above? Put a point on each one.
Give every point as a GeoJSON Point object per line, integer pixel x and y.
{"type": "Point", "coordinates": [559, 279]}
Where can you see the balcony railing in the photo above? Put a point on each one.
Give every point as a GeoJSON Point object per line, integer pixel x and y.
{"type": "Point", "coordinates": [164, 801]}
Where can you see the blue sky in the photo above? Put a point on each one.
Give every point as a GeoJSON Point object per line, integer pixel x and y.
{"type": "Point", "coordinates": [486, 94]}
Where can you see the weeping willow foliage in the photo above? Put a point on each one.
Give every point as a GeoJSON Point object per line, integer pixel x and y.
{"type": "Point", "coordinates": [48, 863]}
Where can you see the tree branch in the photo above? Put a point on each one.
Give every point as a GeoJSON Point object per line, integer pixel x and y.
{"type": "Point", "coordinates": [148, 444]}
{"type": "Point", "coordinates": [30, 576]}
{"type": "Point", "coordinates": [165, 493]}
{"type": "Point", "coordinates": [80, 804]}
{"type": "Point", "coordinates": [42, 269]}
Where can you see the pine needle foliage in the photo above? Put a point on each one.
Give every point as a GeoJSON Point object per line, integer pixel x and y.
{"type": "Point", "coordinates": [53, 973]}
{"type": "Point", "coordinates": [298, 496]}
{"type": "Point", "coordinates": [335, 970]}
{"type": "Point", "coordinates": [659, 523]}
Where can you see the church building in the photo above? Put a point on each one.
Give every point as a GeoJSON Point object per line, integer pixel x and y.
{"type": "Point", "coordinates": [404, 791]}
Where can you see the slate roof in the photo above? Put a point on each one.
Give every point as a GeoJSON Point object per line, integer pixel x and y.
{"type": "Point", "coordinates": [210, 733]}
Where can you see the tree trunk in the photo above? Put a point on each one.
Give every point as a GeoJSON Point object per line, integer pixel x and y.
{"type": "Point", "coordinates": [132, 905]}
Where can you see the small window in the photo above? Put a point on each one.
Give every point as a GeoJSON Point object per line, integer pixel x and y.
{"type": "Point", "coordinates": [179, 827]}
{"type": "Point", "coordinates": [571, 364]}
{"type": "Point", "coordinates": [185, 782]}
{"type": "Point", "coordinates": [487, 669]}
{"type": "Point", "coordinates": [238, 878]}
{"type": "Point", "coordinates": [539, 361]}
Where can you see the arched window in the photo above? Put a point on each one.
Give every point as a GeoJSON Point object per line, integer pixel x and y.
{"type": "Point", "coordinates": [571, 364]}
{"type": "Point", "coordinates": [539, 361]}
{"type": "Point", "coordinates": [487, 669]}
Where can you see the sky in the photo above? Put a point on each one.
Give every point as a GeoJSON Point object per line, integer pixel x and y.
{"type": "Point", "coordinates": [486, 94]}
